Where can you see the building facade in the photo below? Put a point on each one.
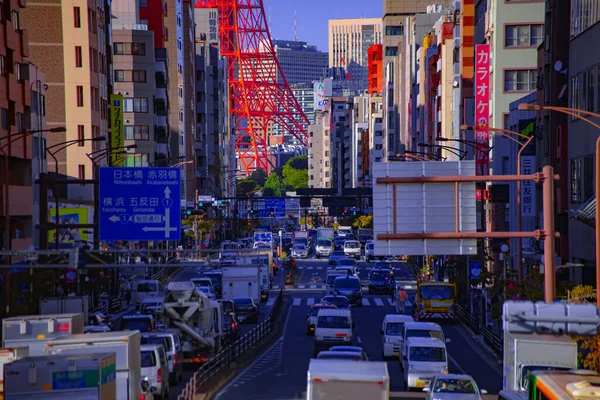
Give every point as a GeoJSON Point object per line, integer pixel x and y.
{"type": "Point", "coordinates": [319, 150]}
{"type": "Point", "coordinates": [299, 61]}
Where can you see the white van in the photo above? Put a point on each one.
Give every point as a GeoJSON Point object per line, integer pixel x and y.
{"type": "Point", "coordinates": [169, 339]}
{"type": "Point", "coordinates": [424, 358]}
{"type": "Point", "coordinates": [334, 327]}
{"type": "Point", "coordinates": [154, 366]}
{"type": "Point", "coordinates": [145, 288]}
{"type": "Point", "coordinates": [421, 329]}
{"type": "Point", "coordinates": [391, 334]}
{"type": "Point", "coordinates": [151, 305]}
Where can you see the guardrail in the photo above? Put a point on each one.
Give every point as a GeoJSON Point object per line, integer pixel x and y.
{"type": "Point", "coordinates": [222, 361]}
{"type": "Point", "coordinates": [490, 338]}
{"type": "Point", "coordinates": [110, 307]}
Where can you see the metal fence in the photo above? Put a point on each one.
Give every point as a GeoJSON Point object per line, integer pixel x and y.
{"type": "Point", "coordinates": [490, 338]}
{"type": "Point", "coordinates": [233, 353]}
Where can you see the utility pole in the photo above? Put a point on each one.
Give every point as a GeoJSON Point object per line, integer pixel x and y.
{"type": "Point", "coordinates": [196, 225]}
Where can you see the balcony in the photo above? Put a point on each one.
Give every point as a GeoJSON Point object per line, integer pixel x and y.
{"type": "Point", "coordinates": [162, 149]}
{"type": "Point", "coordinates": [161, 121]}
{"type": "Point", "coordinates": [161, 94]}
{"type": "Point", "coordinates": [161, 134]}
{"type": "Point", "coordinates": [160, 80]}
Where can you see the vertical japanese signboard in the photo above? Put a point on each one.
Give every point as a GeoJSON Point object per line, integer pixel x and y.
{"type": "Point", "coordinates": [117, 128]}
{"type": "Point", "coordinates": [482, 108]}
{"type": "Point", "coordinates": [528, 205]}
{"type": "Point", "coordinates": [212, 24]}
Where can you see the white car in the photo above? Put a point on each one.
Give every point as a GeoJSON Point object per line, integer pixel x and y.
{"type": "Point", "coordinates": [352, 248]}
{"type": "Point", "coordinates": [369, 251]}
{"type": "Point", "coordinates": [154, 366]}
{"type": "Point", "coordinates": [424, 358]}
{"type": "Point", "coordinates": [453, 386]}
{"type": "Point", "coordinates": [299, 251]}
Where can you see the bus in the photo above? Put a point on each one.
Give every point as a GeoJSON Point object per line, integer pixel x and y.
{"type": "Point", "coordinates": [564, 385]}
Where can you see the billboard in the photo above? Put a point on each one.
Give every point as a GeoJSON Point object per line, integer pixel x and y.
{"type": "Point", "coordinates": [322, 90]}
{"type": "Point", "coordinates": [117, 129]}
{"type": "Point", "coordinates": [67, 236]}
{"type": "Point", "coordinates": [482, 108]}
{"type": "Point", "coordinates": [528, 188]}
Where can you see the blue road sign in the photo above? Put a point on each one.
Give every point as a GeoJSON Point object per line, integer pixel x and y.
{"type": "Point", "coordinates": [277, 206]}
{"type": "Point", "coordinates": [263, 237]}
{"type": "Point", "coordinates": [140, 204]}
{"type": "Point", "coordinates": [475, 269]}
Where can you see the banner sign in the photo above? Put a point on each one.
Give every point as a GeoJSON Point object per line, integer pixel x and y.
{"type": "Point", "coordinates": [528, 205]}
{"type": "Point", "coordinates": [482, 108]}
{"type": "Point", "coordinates": [117, 129]}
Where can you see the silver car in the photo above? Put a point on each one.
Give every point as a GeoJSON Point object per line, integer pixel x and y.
{"type": "Point", "coordinates": [299, 251]}
{"type": "Point", "coordinates": [453, 387]}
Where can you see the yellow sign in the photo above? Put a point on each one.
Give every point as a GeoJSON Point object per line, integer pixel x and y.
{"type": "Point", "coordinates": [117, 128]}
{"type": "Point", "coordinates": [68, 216]}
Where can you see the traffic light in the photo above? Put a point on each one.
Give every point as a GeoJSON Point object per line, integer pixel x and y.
{"type": "Point", "coordinates": [200, 204]}
{"type": "Point", "coordinates": [345, 211]}
{"type": "Point", "coordinates": [194, 212]}
{"type": "Point", "coordinates": [272, 213]}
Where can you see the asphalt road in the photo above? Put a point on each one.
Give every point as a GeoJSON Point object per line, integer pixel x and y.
{"type": "Point", "coordinates": [280, 372]}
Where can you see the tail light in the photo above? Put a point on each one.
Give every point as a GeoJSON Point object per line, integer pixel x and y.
{"type": "Point", "coordinates": [233, 326]}
{"type": "Point", "coordinates": [159, 377]}
{"type": "Point", "coordinates": [142, 397]}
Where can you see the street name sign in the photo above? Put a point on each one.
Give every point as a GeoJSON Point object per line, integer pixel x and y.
{"type": "Point", "coordinates": [277, 206]}
{"type": "Point", "coordinates": [139, 203]}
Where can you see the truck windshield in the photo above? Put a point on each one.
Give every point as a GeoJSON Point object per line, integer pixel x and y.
{"type": "Point", "coordinates": [148, 359]}
{"type": "Point", "coordinates": [344, 283]}
{"type": "Point", "coordinates": [202, 282]}
{"type": "Point", "coordinates": [160, 340]}
{"type": "Point", "coordinates": [437, 292]}
{"type": "Point", "coordinates": [427, 354]}
{"type": "Point", "coordinates": [215, 278]}
{"type": "Point", "coordinates": [148, 308]}
{"type": "Point", "coordinates": [334, 322]}
{"type": "Point", "coordinates": [393, 328]}
{"type": "Point", "coordinates": [147, 287]}
{"type": "Point", "coordinates": [136, 324]}
{"type": "Point", "coordinates": [351, 245]}
{"type": "Point", "coordinates": [324, 243]}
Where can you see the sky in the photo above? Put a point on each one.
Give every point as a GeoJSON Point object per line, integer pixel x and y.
{"type": "Point", "coordinates": [312, 17]}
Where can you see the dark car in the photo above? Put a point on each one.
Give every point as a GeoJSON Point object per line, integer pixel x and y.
{"type": "Point", "coordinates": [384, 265]}
{"type": "Point", "coordinates": [227, 306]}
{"type": "Point", "coordinates": [138, 322]}
{"type": "Point", "coordinates": [338, 243]}
{"type": "Point", "coordinates": [231, 329]}
{"type": "Point", "coordinates": [336, 256]}
{"type": "Point", "coordinates": [350, 288]}
{"type": "Point", "coordinates": [245, 308]}
{"type": "Point", "coordinates": [379, 281]}
{"type": "Point", "coordinates": [216, 278]}
{"type": "Point", "coordinates": [336, 300]}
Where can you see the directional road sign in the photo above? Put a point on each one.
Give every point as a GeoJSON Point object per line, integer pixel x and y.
{"type": "Point", "coordinates": [277, 206]}
{"type": "Point", "coordinates": [263, 237]}
{"type": "Point", "coordinates": [140, 204]}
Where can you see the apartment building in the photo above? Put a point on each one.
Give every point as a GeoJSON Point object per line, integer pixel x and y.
{"type": "Point", "coordinates": [188, 101]}
{"type": "Point", "coordinates": [349, 42]}
{"type": "Point", "coordinates": [299, 61]}
{"type": "Point", "coordinates": [69, 41]}
{"type": "Point", "coordinates": [319, 150]}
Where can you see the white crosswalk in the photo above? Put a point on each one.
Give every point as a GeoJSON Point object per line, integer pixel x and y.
{"type": "Point", "coordinates": [366, 302]}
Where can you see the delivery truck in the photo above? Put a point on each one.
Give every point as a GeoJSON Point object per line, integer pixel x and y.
{"type": "Point", "coordinates": [33, 331]}
{"type": "Point", "coordinates": [66, 305]}
{"type": "Point", "coordinates": [6, 357]}
{"type": "Point", "coordinates": [126, 347]}
{"type": "Point", "coordinates": [341, 379]}
{"type": "Point", "coordinates": [56, 377]}
{"type": "Point", "coordinates": [241, 281]}
{"type": "Point", "coordinates": [264, 259]}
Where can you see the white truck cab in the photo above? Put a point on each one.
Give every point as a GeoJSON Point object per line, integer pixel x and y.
{"type": "Point", "coordinates": [333, 327]}
{"type": "Point", "coordinates": [424, 358]}
{"type": "Point", "coordinates": [391, 334]}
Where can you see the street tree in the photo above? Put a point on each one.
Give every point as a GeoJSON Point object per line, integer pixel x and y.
{"type": "Point", "coordinates": [295, 178]}
{"type": "Point", "coordinates": [274, 186]}
{"type": "Point", "coordinates": [245, 187]}
{"type": "Point", "coordinates": [589, 346]}
{"type": "Point", "coordinates": [259, 177]}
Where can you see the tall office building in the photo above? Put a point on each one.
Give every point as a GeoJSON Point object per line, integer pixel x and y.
{"type": "Point", "coordinates": [70, 42]}
{"type": "Point", "coordinates": [349, 42]}
{"type": "Point", "coordinates": [300, 62]}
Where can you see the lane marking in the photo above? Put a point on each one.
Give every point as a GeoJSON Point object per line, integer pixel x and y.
{"type": "Point", "coordinates": [271, 301]}
{"type": "Point", "coordinates": [365, 302]}
{"type": "Point", "coordinates": [358, 339]}
{"type": "Point", "coordinates": [462, 371]}
{"type": "Point", "coordinates": [310, 301]}
{"type": "Point", "coordinates": [297, 301]}
{"type": "Point", "coordinates": [378, 301]}
{"type": "Point", "coordinates": [391, 302]}
{"type": "Point", "coordinates": [313, 286]}
{"type": "Point", "coordinates": [310, 267]}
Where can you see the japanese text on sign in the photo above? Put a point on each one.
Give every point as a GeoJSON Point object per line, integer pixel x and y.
{"type": "Point", "coordinates": [482, 108]}
{"type": "Point", "coordinates": [528, 201]}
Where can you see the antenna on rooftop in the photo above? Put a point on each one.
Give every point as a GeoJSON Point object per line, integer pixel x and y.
{"type": "Point", "coordinates": [269, 17]}
{"type": "Point", "coordinates": [295, 27]}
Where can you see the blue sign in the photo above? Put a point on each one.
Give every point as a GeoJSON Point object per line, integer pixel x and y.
{"type": "Point", "coordinates": [263, 237]}
{"type": "Point", "coordinates": [277, 206]}
{"type": "Point", "coordinates": [140, 204]}
{"type": "Point", "coordinates": [474, 269]}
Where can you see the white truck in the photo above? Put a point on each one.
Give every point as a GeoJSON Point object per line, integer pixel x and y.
{"type": "Point", "coordinates": [527, 352]}
{"type": "Point", "coordinates": [199, 319]}
{"type": "Point", "coordinates": [301, 235]}
{"type": "Point", "coordinates": [66, 305]}
{"type": "Point", "coordinates": [265, 260]}
{"type": "Point", "coordinates": [126, 347]}
{"type": "Point", "coordinates": [344, 231]}
{"type": "Point", "coordinates": [340, 379]}
{"type": "Point", "coordinates": [8, 356]}
{"type": "Point", "coordinates": [242, 281]}
{"type": "Point", "coordinates": [325, 233]}
{"type": "Point", "coordinates": [33, 331]}
{"type": "Point", "coordinates": [56, 377]}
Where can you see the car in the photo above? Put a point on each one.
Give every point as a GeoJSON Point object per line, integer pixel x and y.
{"type": "Point", "coordinates": [336, 256]}
{"type": "Point", "coordinates": [311, 317]}
{"type": "Point", "coordinates": [171, 342]}
{"type": "Point", "coordinates": [352, 248]}
{"type": "Point", "coordinates": [336, 300]}
{"type": "Point", "coordinates": [453, 386]}
{"type": "Point", "coordinates": [208, 291]}
{"type": "Point", "coordinates": [384, 265]}
{"type": "Point", "coordinates": [379, 281]}
{"type": "Point", "coordinates": [353, 349]}
{"type": "Point", "coordinates": [299, 251]}
{"type": "Point", "coordinates": [340, 355]}
{"type": "Point", "coordinates": [261, 246]}
{"type": "Point", "coordinates": [391, 334]}
{"type": "Point", "coordinates": [154, 366]}
{"type": "Point", "coordinates": [338, 243]}
{"type": "Point", "coordinates": [349, 287]}
{"type": "Point", "coordinates": [246, 310]}
{"type": "Point", "coordinates": [324, 247]}
{"type": "Point", "coordinates": [231, 329]}
{"type": "Point", "coordinates": [216, 277]}
{"type": "Point", "coordinates": [423, 358]}
{"type": "Point", "coordinates": [347, 262]}
{"type": "Point", "coordinates": [138, 322]}
{"type": "Point", "coordinates": [369, 251]}
{"type": "Point", "coordinates": [334, 327]}
{"type": "Point", "coordinates": [330, 280]}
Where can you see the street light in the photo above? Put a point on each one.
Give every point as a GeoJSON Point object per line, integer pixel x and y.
{"type": "Point", "coordinates": [467, 142]}
{"type": "Point", "coordinates": [507, 134]}
{"type": "Point", "coordinates": [579, 114]}
{"type": "Point", "coordinates": [447, 148]}
{"type": "Point", "coordinates": [181, 163]}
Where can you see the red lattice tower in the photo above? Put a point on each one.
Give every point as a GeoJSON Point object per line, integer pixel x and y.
{"type": "Point", "coordinates": [257, 101]}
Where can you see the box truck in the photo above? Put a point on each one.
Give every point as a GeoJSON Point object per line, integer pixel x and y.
{"type": "Point", "coordinates": [241, 281]}
{"type": "Point", "coordinates": [66, 305]}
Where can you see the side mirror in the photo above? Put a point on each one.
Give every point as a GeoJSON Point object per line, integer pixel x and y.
{"type": "Point", "coordinates": [426, 389]}
{"type": "Point", "coordinates": [381, 331]}
{"type": "Point", "coordinates": [483, 391]}
{"type": "Point", "coordinates": [448, 340]}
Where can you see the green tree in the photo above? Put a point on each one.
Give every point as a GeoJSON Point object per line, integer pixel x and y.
{"type": "Point", "coordinates": [298, 162]}
{"type": "Point", "coordinates": [274, 186]}
{"type": "Point", "coordinates": [245, 187]}
{"type": "Point", "coordinates": [364, 221]}
{"type": "Point", "coordinates": [589, 346]}
{"type": "Point", "coordinates": [295, 178]}
{"type": "Point", "coordinates": [259, 177]}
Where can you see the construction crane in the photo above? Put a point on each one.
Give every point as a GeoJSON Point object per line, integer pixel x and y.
{"type": "Point", "coordinates": [257, 100]}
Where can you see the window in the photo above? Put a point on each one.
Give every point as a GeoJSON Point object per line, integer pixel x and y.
{"type": "Point", "coordinates": [78, 57]}
{"type": "Point", "coordinates": [131, 49]}
{"type": "Point", "coordinates": [523, 35]}
{"type": "Point", "coordinates": [4, 117]}
{"type": "Point", "coordinates": [199, 75]}
{"type": "Point", "coordinates": [137, 132]}
{"type": "Point", "coordinates": [395, 30]}
{"type": "Point", "coordinates": [524, 80]}
{"type": "Point", "coordinates": [81, 171]}
{"type": "Point", "coordinates": [17, 69]}
{"type": "Point", "coordinates": [80, 135]}
{"type": "Point", "coordinates": [76, 17]}
{"type": "Point", "coordinates": [588, 89]}
{"type": "Point", "coordinates": [95, 98]}
{"type": "Point", "coordinates": [144, 3]}
{"type": "Point", "coordinates": [582, 179]}
{"type": "Point", "coordinates": [576, 180]}
{"type": "Point", "coordinates": [2, 66]}
{"type": "Point", "coordinates": [391, 51]}
{"type": "Point", "coordinates": [135, 104]}
{"type": "Point", "coordinates": [92, 22]}
{"type": "Point", "coordinates": [136, 75]}
{"type": "Point", "coordinates": [584, 13]}
{"type": "Point", "coordinates": [138, 160]}
{"type": "Point", "coordinates": [14, 16]}
{"type": "Point", "coordinates": [19, 120]}
{"type": "Point", "coordinates": [79, 96]}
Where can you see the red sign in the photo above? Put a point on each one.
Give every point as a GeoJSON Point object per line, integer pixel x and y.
{"type": "Point", "coordinates": [482, 108]}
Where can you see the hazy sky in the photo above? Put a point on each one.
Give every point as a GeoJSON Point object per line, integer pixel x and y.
{"type": "Point", "coordinates": [312, 17]}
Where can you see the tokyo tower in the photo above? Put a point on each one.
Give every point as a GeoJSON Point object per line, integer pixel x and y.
{"type": "Point", "coordinates": [257, 101]}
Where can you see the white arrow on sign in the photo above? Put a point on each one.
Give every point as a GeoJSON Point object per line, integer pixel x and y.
{"type": "Point", "coordinates": [165, 229]}
{"type": "Point", "coordinates": [114, 218]}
